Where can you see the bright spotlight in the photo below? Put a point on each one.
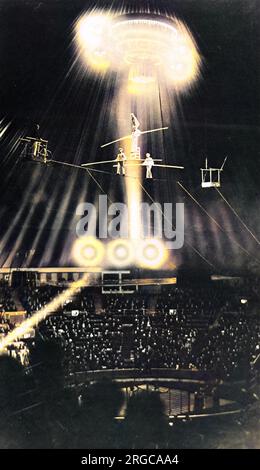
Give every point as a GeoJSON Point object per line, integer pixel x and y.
{"type": "Point", "coordinates": [120, 253]}
{"type": "Point", "coordinates": [152, 254]}
{"type": "Point", "coordinates": [144, 47]}
{"type": "Point", "coordinates": [88, 252]}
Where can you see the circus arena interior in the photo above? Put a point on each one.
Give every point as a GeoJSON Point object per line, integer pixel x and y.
{"type": "Point", "coordinates": [129, 235]}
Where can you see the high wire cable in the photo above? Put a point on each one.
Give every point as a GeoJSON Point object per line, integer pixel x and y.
{"type": "Point", "coordinates": [238, 216]}
{"type": "Point", "coordinates": [216, 223]}
{"type": "Point", "coordinates": [147, 193]}
{"type": "Point", "coordinates": [85, 169]}
{"type": "Point", "coordinates": [104, 172]}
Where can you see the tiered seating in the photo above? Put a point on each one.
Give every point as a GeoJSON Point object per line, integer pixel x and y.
{"type": "Point", "coordinates": [192, 327]}
{"type": "Point", "coordinates": [7, 303]}
{"type": "Point", "coordinates": [89, 341]}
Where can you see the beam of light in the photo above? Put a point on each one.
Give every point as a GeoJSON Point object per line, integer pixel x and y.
{"type": "Point", "coordinates": [113, 142]}
{"type": "Point", "coordinates": [51, 207]}
{"type": "Point", "coordinates": [46, 311]}
{"type": "Point", "coordinates": [175, 167]}
{"type": "Point", "coordinates": [21, 222]}
{"type": "Point", "coordinates": [39, 196]}
{"type": "Point", "coordinates": [3, 129]}
{"type": "Point", "coordinates": [133, 195]}
{"type": "Point", "coordinates": [143, 47]}
{"type": "Point", "coordinates": [120, 253]}
{"type": "Point", "coordinates": [101, 162]}
{"type": "Point", "coordinates": [151, 58]}
{"type": "Point", "coordinates": [139, 88]}
{"type": "Point", "coordinates": [19, 216]}
{"type": "Point", "coordinates": [88, 170]}
{"type": "Point", "coordinates": [88, 252]}
{"type": "Point", "coordinates": [72, 224]}
{"type": "Point", "coordinates": [231, 238]}
{"type": "Point", "coordinates": [64, 205]}
{"type": "Point", "coordinates": [170, 225]}
{"type": "Point", "coordinates": [79, 142]}
{"type": "Point", "coordinates": [152, 254]}
{"type": "Point", "coordinates": [58, 222]}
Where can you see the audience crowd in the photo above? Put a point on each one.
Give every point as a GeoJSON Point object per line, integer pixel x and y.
{"type": "Point", "coordinates": [7, 303]}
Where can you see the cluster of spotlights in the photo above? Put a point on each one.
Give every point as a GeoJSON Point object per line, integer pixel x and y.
{"type": "Point", "coordinates": [119, 253]}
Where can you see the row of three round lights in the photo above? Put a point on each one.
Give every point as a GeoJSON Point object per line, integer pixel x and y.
{"type": "Point", "coordinates": [90, 252]}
